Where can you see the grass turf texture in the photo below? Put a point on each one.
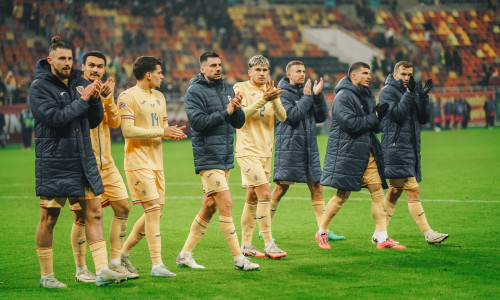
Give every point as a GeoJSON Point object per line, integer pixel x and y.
{"type": "Point", "coordinates": [460, 192]}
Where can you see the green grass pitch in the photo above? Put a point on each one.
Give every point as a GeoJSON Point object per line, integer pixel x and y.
{"type": "Point", "coordinates": [460, 193]}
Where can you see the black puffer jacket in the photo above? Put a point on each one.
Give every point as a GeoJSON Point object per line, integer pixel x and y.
{"type": "Point", "coordinates": [64, 155]}
{"type": "Point", "coordinates": [351, 138]}
{"type": "Point", "coordinates": [401, 129]}
{"type": "Point", "coordinates": [296, 151]}
{"type": "Point", "coordinates": [211, 126]}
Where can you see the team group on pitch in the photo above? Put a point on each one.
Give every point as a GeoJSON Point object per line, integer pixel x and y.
{"type": "Point", "coordinates": [74, 109]}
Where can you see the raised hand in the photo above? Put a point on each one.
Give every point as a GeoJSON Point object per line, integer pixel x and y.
{"type": "Point", "coordinates": [381, 110]}
{"type": "Point", "coordinates": [108, 88]}
{"type": "Point", "coordinates": [91, 91]}
{"type": "Point", "coordinates": [271, 92]}
{"type": "Point", "coordinates": [427, 87]}
{"type": "Point", "coordinates": [411, 85]}
{"type": "Point", "coordinates": [174, 133]}
{"type": "Point", "coordinates": [307, 87]}
{"type": "Point", "coordinates": [318, 87]}
{"type": "Point", "coordinates": [234, 103]}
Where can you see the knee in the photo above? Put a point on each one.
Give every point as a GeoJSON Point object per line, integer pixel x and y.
{"type": "Point", "coordinates": [264, 195]}
{"type": "Point", "coordinates": [50, 220]}
{"type": "Point", "coordinates": [79, 217]}
{"type": "Point", "coordinates": [413, 193]}
{"type": "Point", "coordinates": [122, 210]}
{"type": "Point", "coordinates": [343, 195]}
{"type": "Point", "coordinates": [209, 208]}
{"type": "Point", "coordinates": [281, 189]}
{"type": "Point", "coordinates": [93, 213]}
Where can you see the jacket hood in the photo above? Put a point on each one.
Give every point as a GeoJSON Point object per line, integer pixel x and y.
{"type": "Point", "coordinates": [398, 84]}
{"type": "Point", "coordinates": [285, 84]}
{"type": "Point", "coordinates": [200, 79]}
{"type": "Point", "coordinates": [42, 70]}
{"type": "Point", "coordinates": [360, 91]}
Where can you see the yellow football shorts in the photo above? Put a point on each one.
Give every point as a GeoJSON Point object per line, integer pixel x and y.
{"type": "Point", "coordinates": [59, 202]}
{"type": "Point", "coordinates": [255, 171]}
{"type": "Point", "coordinates": [407, 183]}
{"type": "Point", "coordinates": [146, 185]}
{"type": "Point", "coordinates": [214, 181]}
{"type": "Point", "coordinates": [371, 175]}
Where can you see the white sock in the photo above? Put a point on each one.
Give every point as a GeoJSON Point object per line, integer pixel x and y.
{"type": "Point", "coordinates": [239, 258]}
{"type": "Point", "coordinates": [269, 245]}
{"type": "Point", "coordinates": [99, 272]}
{"type": "Point", "coordinates": [81, 269]}
{"type": "Point", "coordinates": [114, 262]}
{"type": "Point", "coordinates": [322, 231]}
{"type": "Point", "coordinates": [381, 236]}
{"type": "Point", "coordinates": [45, 276]}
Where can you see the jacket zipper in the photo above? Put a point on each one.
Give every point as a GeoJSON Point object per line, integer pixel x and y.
{"type": "Point", "coordinates": [222, 103]}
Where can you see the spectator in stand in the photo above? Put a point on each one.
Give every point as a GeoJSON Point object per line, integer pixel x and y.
{"type": "Point", "coordinates": [10, 87]}
{"type": "Point", "coordinates": [489, 112]}
{"type": "Point", "coordinates": [457, 62]}
{"type": "Point", "coordinates": [437, 49]}
{"type": "Point", "coordinates": [448, 60]}
{"type": "Point", "coordinates": [3, 91]}
{"type": "Point", "coordinates": [494, 79]}
{"type": "Point", "coordinates": [17, 13]}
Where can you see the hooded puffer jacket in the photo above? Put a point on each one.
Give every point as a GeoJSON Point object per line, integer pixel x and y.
{"type": "Point", "coordinates": [65, 162]}
{"type": "Point", "coordinates": [352, 137]}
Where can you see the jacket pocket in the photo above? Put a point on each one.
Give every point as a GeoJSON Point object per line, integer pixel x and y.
{"type": "Point", "coordinates": [56, 146]}
{"type": "Point", "coordinates": [396, 136]}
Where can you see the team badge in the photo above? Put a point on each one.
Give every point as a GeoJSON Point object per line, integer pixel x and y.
{"type": "Point", "coordinates": [158, 101]}
{"type": "Point", "coordinates": [143, 102]}
{"type": "Point", "coordinates": [253, 94]}
{"type": "Point", "coordinates": [79, 89]}
{"type": "Point", "coordinates": [143, 191]}
{"type": "Point", "coordinates": [122, 105]}
{"type": "Point", "coordinates": [255, 177]}
{"type": "Point", "coordinates": [217, 183]}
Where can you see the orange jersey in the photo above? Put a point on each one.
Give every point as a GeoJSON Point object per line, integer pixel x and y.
{"type": "Point", "coordinates": [100, 137]}
{"type": "Point", "coordinates": [148, 110]}
{"type": "Point", "coordinates": [256, 137]}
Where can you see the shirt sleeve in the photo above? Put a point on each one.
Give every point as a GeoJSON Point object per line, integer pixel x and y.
{"type": "Point", "coordinates": [279, 110]}
{"type": "Point", "coordinates": [126, 108]}
{"type": "Point", "coordinates": [114, 118]}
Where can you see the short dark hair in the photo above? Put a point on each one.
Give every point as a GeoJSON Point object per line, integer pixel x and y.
{"type": "Point", "coordinates": [94, 53]}
{"type": "Point", "coordinates": [293, 63]}
{"type": "Point", "coordinates": [57, 42]}
{"type": "Point", "coordinates": [145, 64]}
{"type": "Point", "coordinates": [204, 57]}
{"type": "Point", "coordinates": [356, 66]}
{"type": "Point", "coordinates": [404, 64]}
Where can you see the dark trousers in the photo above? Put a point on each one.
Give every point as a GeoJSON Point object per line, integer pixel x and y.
{"type": "Point", "coordinates": [27, 132]}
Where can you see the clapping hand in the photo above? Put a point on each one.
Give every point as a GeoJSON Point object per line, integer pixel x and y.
{"type": "Point", "coordinates": [174, 133]}
{"type": "Point", "coordinates": [411, 84]}
{"type": "Point", "coordinates": [108, 88]}
{"type": "Point", "coordinates": [381, 110]}
{"type": "Point", "coordinates": [307, 87]}
{"type": "Point", "coordinates": [318, 87]}
{"type": "Point", "coordinates": [234, 103]}
{"type": "Point", "coordinates": [272, 92]}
